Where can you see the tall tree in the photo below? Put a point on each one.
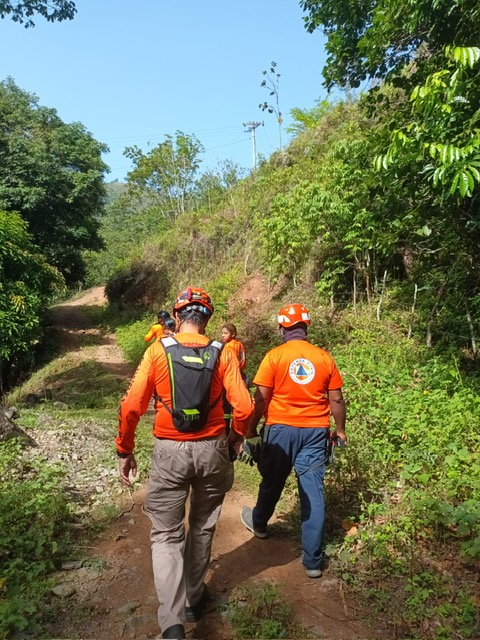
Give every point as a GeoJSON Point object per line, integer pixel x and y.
{"type": "Point", "coordinates": [26, 284]}
{"type": "Point", "coordinates": [271, 82]}
{"type": "Point", "coordinates": [22, 10]}
{"type": "Point", "coordinates": [167, 172]}
{"type": "Point", "coordinates": [52, 174]}
{"type": "Point", "coordinates": [370, 38]}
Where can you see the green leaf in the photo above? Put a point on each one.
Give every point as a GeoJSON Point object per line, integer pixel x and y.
{"type": "Point", "coordinates": [463, 184]}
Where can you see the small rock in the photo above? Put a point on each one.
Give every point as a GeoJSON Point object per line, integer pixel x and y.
{"type": "Point", "coordinates": [129, 607]}
{"type": "Point", "coordinates": [64, 590]}
{"type": "Point", "coordinates": [61, 405]}
{"type": "Point", "coordinates": [329, 583]}
{"type": "Point", "coordinates": [11, 413]}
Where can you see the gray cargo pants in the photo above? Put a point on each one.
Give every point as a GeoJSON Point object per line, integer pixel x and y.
{"type": "Point", "coordinates": [203, 469]}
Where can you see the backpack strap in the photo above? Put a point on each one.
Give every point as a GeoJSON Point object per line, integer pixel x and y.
{"type": "Point", "coordinates": [169, 341]}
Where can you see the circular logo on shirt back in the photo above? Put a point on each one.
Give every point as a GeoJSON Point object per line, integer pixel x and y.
{"type": "Point", "coordinates": [302, 371]}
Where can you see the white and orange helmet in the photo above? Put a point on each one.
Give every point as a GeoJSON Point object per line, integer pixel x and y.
{"type": "Point", "coordinates": [292, 314]}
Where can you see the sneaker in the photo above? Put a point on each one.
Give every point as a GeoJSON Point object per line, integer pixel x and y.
{"type": "Point", "coordinates": [196, 611]}
{"type": "Point", "coordinates": [246, 516]}
{"type": "Point", "coordinates": [313, 573]}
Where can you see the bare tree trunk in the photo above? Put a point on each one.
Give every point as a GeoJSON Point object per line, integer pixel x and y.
{"type": "Point", "coordinates": [433, 312]}
{"type": "Point", "coordinates": [381, 295]}
{"type": "Point", "coordinates": [247, 256]}
{"type": "Point", "coordinates": [355, 290]}
{"type": "Point", "coordinates": [472, 330]}
{"type": "Point", "coordinates": [332, 302]}
{"type": "Point", "coordinates": [412, 314]}
{"type": "Point", "coordinates": [367, 281]}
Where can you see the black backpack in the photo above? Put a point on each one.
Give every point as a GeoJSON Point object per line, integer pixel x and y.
{"type": "Point", "coordinates": [191, 371]}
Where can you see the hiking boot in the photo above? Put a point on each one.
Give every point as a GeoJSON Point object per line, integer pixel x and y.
{"type": "Point", "coordinates": [175, 632]}
{"type": "Point", "coordinates": [196, 611]}
{"type": "Point", "coordinates": [246, 516]}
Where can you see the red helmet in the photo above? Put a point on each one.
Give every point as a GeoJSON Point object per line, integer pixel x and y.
{"type": "Point", "coordinates": [193, 297]}
{"type": "Point", "coordinates": [292, 314]}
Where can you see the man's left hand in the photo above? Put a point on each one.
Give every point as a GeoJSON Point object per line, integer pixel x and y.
{"type": "Point", "coordinates": [125, 465]}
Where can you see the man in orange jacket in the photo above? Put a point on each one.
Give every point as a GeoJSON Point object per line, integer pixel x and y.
{"type": "Point", "coordinates": [184, 461]}
{"type": "Point", "coordinates": [298, 388]}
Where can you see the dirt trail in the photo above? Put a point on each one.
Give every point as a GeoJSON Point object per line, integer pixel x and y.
{"type": "Point", "coordinates": [73, 324]}
{"type": "Point", "coordinates": [114, 594]}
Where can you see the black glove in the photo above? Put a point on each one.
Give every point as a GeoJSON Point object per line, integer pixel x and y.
{"type": "Point", "coordinates": [251, 450]}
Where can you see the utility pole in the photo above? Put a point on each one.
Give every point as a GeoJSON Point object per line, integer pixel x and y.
{"type": "Point", "coordinates": [251, 126]}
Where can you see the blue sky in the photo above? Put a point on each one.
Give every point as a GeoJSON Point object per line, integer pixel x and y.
{"type": "Point", "coordinates": [132, 72]}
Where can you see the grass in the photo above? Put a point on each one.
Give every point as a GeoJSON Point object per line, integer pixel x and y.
{"type": "Point", "coordinates": [78, 384]}
{"type": "Point", "coordinates": [260, 610]}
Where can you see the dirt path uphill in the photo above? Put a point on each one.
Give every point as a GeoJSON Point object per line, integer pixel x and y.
{"type": "Point", "coordinates": [75, 327]}
{"type": "Point", "coordinates": [109, 593]}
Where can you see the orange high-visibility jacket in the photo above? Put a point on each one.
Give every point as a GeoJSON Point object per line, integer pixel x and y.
{"type": "Point", "coordinates": [239, 350]}
{"type": "Point", "coordinates": [157, 331]}
{"type": "Point", "coordinates": [152, 376]}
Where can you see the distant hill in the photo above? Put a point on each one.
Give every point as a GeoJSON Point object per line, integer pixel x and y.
{"type": "Point", "coordinates": [114, 190]}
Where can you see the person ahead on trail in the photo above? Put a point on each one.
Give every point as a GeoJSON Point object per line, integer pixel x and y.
{"type": "Point", "coordinates": [229, 339]}
{"type": "Point", "coordinates": [158, 329]}
{"type": "Point", "coordinates": [169, 326]}
{"type": "Point", "coordinates": [298, 387]}
{"type": "Point", "coordinates": [192, 453]}
{"type": "Point", "coordinates": [231, 343]}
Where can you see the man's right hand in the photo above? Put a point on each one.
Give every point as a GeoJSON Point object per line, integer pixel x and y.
{"type": "Point", "coordinates": [251, 450]}
{"type": "Point", "coordinates": [234, 442]}
{"type": "Point", "coordinates": [340, 435]}
{"type": "Point", "coordinates": [125, 465]}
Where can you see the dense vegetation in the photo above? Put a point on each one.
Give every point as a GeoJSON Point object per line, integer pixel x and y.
{"type": "Point", "coordinates": [51, 198]}
{"type": "Point", "coordinates": [370, 217]}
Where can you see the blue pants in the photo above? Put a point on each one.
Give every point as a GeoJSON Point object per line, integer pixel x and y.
{"type": "Point", "coordinates": [304, 449]}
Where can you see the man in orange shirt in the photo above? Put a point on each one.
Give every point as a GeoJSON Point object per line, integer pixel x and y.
{"type": "Point", "coordinates": [158, 329]}
{"type": "Point", "coordinates": [192, 454]}
{"type": "Point", "coordinates": [298, 387]}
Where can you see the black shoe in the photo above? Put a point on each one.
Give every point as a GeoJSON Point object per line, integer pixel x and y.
{"type": "Point", "coordinates": [246, 517]}
{"type": "Point", "coordinates": [175, 632]}
{"type": "Point", "coordinates": [196, 611]}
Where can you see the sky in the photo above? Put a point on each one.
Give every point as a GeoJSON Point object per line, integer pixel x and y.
{"type": "Point", "coordinates": [135, 71]}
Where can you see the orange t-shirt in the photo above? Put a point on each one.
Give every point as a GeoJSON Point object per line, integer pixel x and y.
{"type": "Point", "coordinates": [239, 350]}
{"type": "Point", "coordinates": [152, 376]}
{"type": "Point", "coordinates": [157, 331]}
{"type": "Point", "coordinates": [300, 375]}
